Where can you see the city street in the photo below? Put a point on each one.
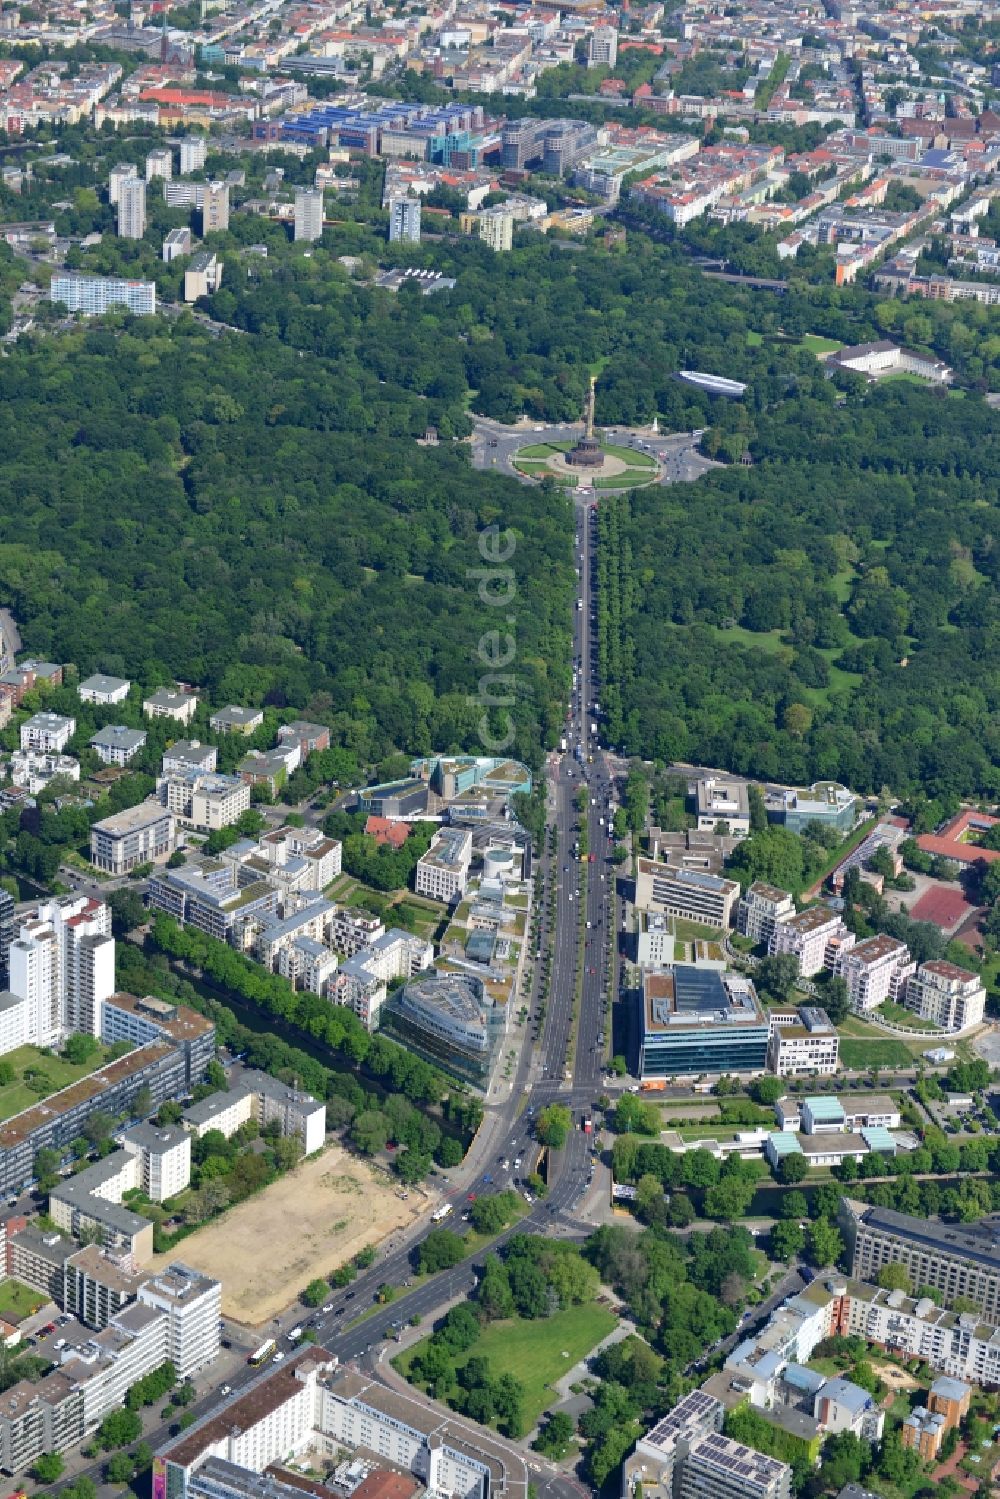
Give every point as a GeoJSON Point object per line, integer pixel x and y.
{"type": "Point", "coordinates": [353, 1326]}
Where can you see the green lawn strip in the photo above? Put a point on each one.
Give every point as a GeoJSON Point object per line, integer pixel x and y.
{"type": "Point", "coordinates": [754, 339]}
{"type": "Point", "coordinates": [632, 478]}
{"type": "Point", "coordinates": [694, 931]}
{"type": "Point", "coordinates": [887, 1052]}
{"type": "Point", "coordinates": [58, 1073]}
{"type": "Point", "coordinates": [18, 1301]}
{"type": "Point", "coordinates": [542, 450]}
{"type": "Point", "coordinates": [898, 1015]}
{"type": "Point", "coordinates": [533, 1351]}
{"type": "Point", "coordinates": [628, 455]}
{"type": "Point", "coordinates": [817, 344]}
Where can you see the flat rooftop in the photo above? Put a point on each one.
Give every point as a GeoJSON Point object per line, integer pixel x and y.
{"type": "Point", "coordinates": [978, 1242]}
{"type": "Point", "coordinates": [22, 1126]}
{"type": "Point", "coordinates": [686, 995]}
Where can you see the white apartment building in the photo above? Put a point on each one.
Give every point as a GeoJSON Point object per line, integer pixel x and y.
{"type": "Point", "coordinates": [311, 1403]}
{"type": "Point", "coordinates": [496, 229]}
{"type": "Point", "coordinates": [132, 208]}
{"type": "Point", "coordinates": [802, 1043]}
{"type": "Point", "coordinates": [175, 1316]}
{"type": "Point", "coordinates": [62, 968]}
{"type": "Point", "coordinates": [124, 172]}
{"type": "Point", "coordinates": [353, 930]}
{"type": "Point", "coordinates": [960, 1345]}
{"type": "Point", "coordinates": [34, 770]}
{"type": "Point", "coordinates": [193, 153]}
{"type": "Point", "coordinates": [257, 1095]}
{"type": "Point", "coordinates": [320, 856]}
{"type": "Point", "coordinates": [807, 936]}
{"type": "Point", "coordinates": [273, 934]}
{"type": "Point", "coordinates": [47, 733]}
{"type": "Point", "coordinates": [308, 220]}
{"type": "Point", "coordinates": [236, 720]}
{"type": "Point", "coordinates": [443, 871]}
{"type": "Point", "coordinates": [117, 744]}
{"type": "Point", "coordinates": [602, 49]}
{"type": "Point", "coordinates": [760, 908]}
{"type": "Point", "coordinates": [361, 982]}
{"type": "Point", "coordinates": [204, 802]}
{"type": "Point", "coordinates": [188, 754]}
{"type": "Point", "coordinates": [92, 1201]}
{"type": "Point", "coordinates": [164, 1158]}
{"type": "Point", "coordinates": [874, 970]}
{"type": "Point", "coordinates": [192, 1305]}
{"type": "Point", "coordinates": [160, 163]}
{"type": "Point", "coordinates": [166, 703]}
{"type": "Point", "coordinates": [102, 689]}
{"type": "Point", "coordinates": [948, 995]}
{"type": "Point", "coordinates": [138, 835]}
{"type": "Point", "coordinates": [93, 295]}
{"type": "Point", "coordinates": [308, 965]}
{"type": "Point", "coordinates": [688, 893]}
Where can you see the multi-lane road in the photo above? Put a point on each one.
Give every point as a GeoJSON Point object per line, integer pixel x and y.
{"type": "Point", "coordinates": [352, 1324]}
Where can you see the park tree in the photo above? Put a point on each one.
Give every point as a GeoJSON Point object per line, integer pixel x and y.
{"type": "Point", "coordinates": [48, 1468]}
{"type": "Point", "coordinates": [553, 1125]}
{"type": "Point", "coordinates": [793, 1168]}
{"type": "Point", "coordinates": [824, 1246]}
{"type": "Point", "coordinates": [441, 1250]}
{"type": "Point", "coordinates": [787, 1240]}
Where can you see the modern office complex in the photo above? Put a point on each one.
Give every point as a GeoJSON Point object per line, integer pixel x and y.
{"type": "Point", "coordinates": [210, 898]}
{"type": "Point", "coordinates": [697, 1020]}
{"type": "Point", "coordinates": [803, 1043]}
{"type": "Point", "coordinates": [450, 1020]}
{"type": "Point", "coordinates": [138, 835]}
{"type": "Point", "coordinates": [957, 1260]}
{"type": "Point", "coordinates": [443, 871]}
{"type": "Point", "coordinates": [687, 893]}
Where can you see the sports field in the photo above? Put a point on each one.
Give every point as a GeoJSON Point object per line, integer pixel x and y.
{"type": "Point", "coordinates": [303, 1226]}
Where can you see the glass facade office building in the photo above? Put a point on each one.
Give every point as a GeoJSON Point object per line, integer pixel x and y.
{"type": "Point", "coordinates": [697, 1020]}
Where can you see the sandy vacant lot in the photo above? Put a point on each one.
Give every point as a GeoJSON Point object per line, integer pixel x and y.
{"type": "Point", "coordinates": [896, 1379]}
{"type": "Point", "coordinates": [301, 1227]}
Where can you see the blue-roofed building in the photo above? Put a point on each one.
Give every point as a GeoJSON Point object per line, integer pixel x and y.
{"type": "Point", "coordinates": [878, 1138]}
{"type": "Point", "coordinates": [780, 1144]}
{"type": "Point", "coordinates": [820, 1114]}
